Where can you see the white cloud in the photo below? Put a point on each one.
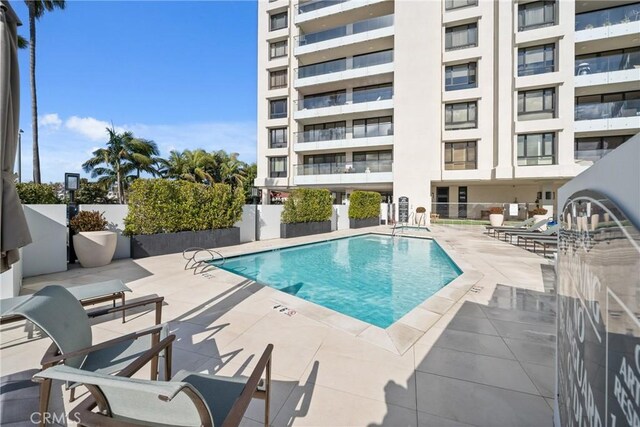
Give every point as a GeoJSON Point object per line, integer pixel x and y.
{"type": "Point", "coordinates": [89, 127]}
{"type": "Point", "coordinates": [50, 120]}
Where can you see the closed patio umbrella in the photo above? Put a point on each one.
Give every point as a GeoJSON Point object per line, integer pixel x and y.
{"type": "Point", "coordinates": [14, 232]}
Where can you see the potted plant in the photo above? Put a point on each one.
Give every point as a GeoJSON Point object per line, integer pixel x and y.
{"type": "Point", "coordinates": [496, 216]}
{"type": "Point", "coordinates": [538, 215]}
{"type": "Point", "coordinates": [420, 212]}
{"type": "Point", "coordinates": [306, 211]}
{"type": "Point", "coordinates": [364, 209]}
{"type": "Point", "coordinates": [93, 243]}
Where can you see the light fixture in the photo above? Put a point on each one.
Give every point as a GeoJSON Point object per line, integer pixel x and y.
{"type": "Point", "coordinates": [71, 181]}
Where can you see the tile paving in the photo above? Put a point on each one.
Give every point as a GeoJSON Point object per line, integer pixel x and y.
{"type": "Point", "coordinates": [479, 353]}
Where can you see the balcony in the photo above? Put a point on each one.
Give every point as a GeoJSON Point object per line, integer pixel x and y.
{"type": "Point", "coordinates": [345, 68]}
{"type": "Point", "coordinates": [356, 32]}
{"type": "Point", "coordinates": [623, 68]}
{"type": "Point", "coordinates": [610, 23]}
{"type": "Point", "coordinates": [372, 99]}
{"type": "Point", "coordinates": [310, 6]}
{"type": "Point", "coordinates": [350, 11]}
{"type": "Point", "coordinates": [341, 138]}
{"type": "Point", "coordinates": [618, 115]}
{"type": "Point", "coordinates": [344, 173]}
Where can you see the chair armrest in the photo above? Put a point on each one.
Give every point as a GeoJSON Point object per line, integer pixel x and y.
{"type": "Point", "coordinates": [107, 310]}
{"type": "Point", "coordinates": [50, 359]}
{"type": "Point", "coordinates": [242, 402]}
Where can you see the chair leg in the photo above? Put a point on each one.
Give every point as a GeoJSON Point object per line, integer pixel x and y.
{"type": "Point", "coordinates": [123, 311]}
{"type": "Point", "coordinates": [167, 363]}
{"type": "Point", "coordinates": [155, 339]}
{"type": "Point", "coordinates": [72, 394]}
{"type": "Point", "coordinates": [267, 397]}
{"type": "Point", "coordinates": [45, 392]}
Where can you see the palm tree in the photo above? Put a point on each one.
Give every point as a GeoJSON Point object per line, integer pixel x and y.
{"type": "Point", "coordinates": [195, 166]}
{"type": "Point", "coordinates": [37, 8]}
{"type": "Point", "coordinates": [123, 156]}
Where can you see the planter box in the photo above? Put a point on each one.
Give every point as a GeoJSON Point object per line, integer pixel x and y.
{"type": "Point", "coordinates": [298, 229]}
{"type": "Point", "coordinates": [144, 245]}
{"type": "Point", "coordinates": [360, 223]}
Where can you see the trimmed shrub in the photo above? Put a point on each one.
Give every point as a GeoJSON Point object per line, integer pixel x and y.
{"type": "Point", "coordinates": [364, 204]}
{"type": "Point", "coordinates": [421, 209]}
{"type": "Point", "coordinates": [88, 221]}
{"type": "Point", "coordinates": [307, 205]}
{"type": "Point", "coordinates": [31, 193]}
{"type": "Point", "coordinates": [538, 211]}
{"type": "Point", "coordinates": [496, 210]}
{"type": "Point", "coordinates": [91, 193]}
{"type": "Point", "coordinates": [164, 206]}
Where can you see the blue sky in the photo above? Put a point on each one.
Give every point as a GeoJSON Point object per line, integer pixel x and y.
{"type": "Point", "coordinates": [180, 73]}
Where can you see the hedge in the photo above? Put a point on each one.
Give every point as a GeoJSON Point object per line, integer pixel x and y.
{"type": "Point", "coordinates": [31, 193]}
{"type": "Point", "coordinates": [364, 204]}
{"type": "Point", "coordinates": [164, 206]}
{"type": "Point", "coordinates": [307, 205]}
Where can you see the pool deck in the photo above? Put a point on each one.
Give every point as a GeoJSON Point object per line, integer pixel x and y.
{"type": "Point", "coordinates": [479, 352]}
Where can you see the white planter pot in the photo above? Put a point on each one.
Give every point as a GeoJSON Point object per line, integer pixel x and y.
{"type": "Point", "coordinates": [496, 220]}
{"type": "Point", "coordinates": [538, 218]}
{"type": "Point", "coordinates": [95, 248]}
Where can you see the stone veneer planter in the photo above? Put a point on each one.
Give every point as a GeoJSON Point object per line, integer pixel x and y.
{"type": "Point", "coordinates": [145, 245]}
{"type": "Point", "coordinates": [298, 229]}
{"type": "Point", "coordinates": [366, 222]}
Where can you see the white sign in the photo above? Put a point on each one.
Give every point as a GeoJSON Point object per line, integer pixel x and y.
{"type": "Point", "coordinates": [513, 209]}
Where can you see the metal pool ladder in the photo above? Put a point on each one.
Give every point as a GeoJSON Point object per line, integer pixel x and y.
{"type": "Point", "coordinates": [193, 263]}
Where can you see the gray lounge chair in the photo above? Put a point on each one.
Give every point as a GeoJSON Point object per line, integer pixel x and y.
{"type": "Point", "coordinates": [90, 294]}
{"type": "Point", "coordinates": [59, 314]}
{"type": "Point", "coordinates": [550, 231]}
{"type": "Point", "coordinates": [535, 227]}
{"type": "Point", "coordinates": [189, 399]}
{"type": "Point", "coordinates": [524, 224]}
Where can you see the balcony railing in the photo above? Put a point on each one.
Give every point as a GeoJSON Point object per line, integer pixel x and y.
{"type": "Point", "coordinates": [537, 160]}
{"type": "Point", "coordinates": [606, 17]}
{"type": "Point", "coordinates": [342, 64]}
{"type": "Point", "coordinates": [336, 134]}
{"type": "Point", "coordinates": [343, 167]}
{"type": "Point", "coordinates": [345, 30]}
{"type": "Point", "coordinates": [606, 64]}
{"type": "Point", "coordinates": [333, 100]}
{"type": "Point", "coordinates": [608, 110]}
{"type": "Point", "coordinates": [309, 6]}
{"type": "Point", "coordinates": [591, 155]}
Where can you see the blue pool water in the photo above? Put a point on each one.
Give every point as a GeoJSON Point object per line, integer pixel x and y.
{"type": "Point", "coordinates": [374, 278]}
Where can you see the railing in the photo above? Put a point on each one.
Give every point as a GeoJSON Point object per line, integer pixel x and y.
{"type": "Point", "coordinates": [591, 155]}
{"type": "Point", "coordinates": [345, 30]}
{"type": "Point", "coordinates": [315, 5]}
{"type": "Point", "coordinates": [338, 65]}
{"type": "Point", "coordinates": [608, 110]}
{"type": "Point", "coordinates": [536, 68]}
{"type": "Point", "coordinates": [337, 99]}
{"type": "Point", "coordinates": [339, 133]}
{"type": "Point", "coordinates": [480, 211]}
{"type": "Point", "coordinates": [343, 167]}
{"type": "Point", "coordinates": [606, 17]}
{"type": "Point", "coordinates": [537, 160]}
{"type": "Point", "coordinates": [606, 64]}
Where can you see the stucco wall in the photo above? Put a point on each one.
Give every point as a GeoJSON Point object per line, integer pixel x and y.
{"type": "Point", "coordinates": [48, 251]}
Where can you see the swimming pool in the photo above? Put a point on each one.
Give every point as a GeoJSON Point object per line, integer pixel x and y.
{"type": "Point", "coordinates": [374, 278]}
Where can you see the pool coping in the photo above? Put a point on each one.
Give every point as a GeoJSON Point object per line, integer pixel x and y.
{"type": "Point", "coordinates": [401, 335]}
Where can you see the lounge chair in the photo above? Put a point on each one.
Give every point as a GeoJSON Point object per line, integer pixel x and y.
{"type": "Point", "coordinates": [550, 231]}
{"type": "Point", "coordinates": [537, 236]}
{"type": "Point", "coordinates": [524, 224]}
{"type": "Point", "coordinates": [189, 399]}
{"type": "Point", "coordinates": [59, 314]}
{"type": "Point", "coordinates": [94, 293]}
{"type": "Point", "coordinates": [535, 227]}
{"type": "Point", "coordinates": [545, 244]}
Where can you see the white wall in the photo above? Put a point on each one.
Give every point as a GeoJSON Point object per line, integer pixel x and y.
{"type": "Point", "coordinates": [341, 217]}
{"type": "Point", "coordinates": [269, 221]}
{"type": "Point", "coordinates": [115, 214]}
{"type": "Point", "coordinates": [247, 224]}
{"type": "Point", "coordinates": [616, 175]}
{"type": "Point", "coordinates": [48, 251]}
{"type": "Point", "coordinates": [11, 280]}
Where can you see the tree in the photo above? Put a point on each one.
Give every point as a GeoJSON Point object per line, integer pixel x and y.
{"type": "Point", "coordinates": [37, 8]}
{"type": "Point", "coordinates": [195, 166]}
{"type": "Point", "coordinates": [120, 162]}
{"type": "Point", "coordinates": [91, 193]}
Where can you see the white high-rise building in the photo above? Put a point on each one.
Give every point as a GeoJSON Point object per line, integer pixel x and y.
{"type": "Point", "coordinates": [443, 101]}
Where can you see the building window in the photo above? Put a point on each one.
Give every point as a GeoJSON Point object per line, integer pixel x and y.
{"type": "Point", "coordinates": [277, 167]}
{"type": "Point", "coordinates": [456, 4]}
{"type": "Point", "coordinates": [372, 127]}
{"type": "Point", "coordinates": [460, 155]}
{"type": "Point", "coordinates": [462, 115]}
{"type": "Point", "coordinates": [324, 132]}
{"type": "Point", "coordinates": [323, 100]}
{"type": "Point", "coordinates": [536, 149]}
{"type": "Point", "coordinates": [278, 108]}
{"type": "Point", "coordinates": [536, 104]}
{"type": "Point", "coordinates": [323, 164]}
{"type": "Point", "coordinates": [536, 15]}
{"type": "Point", "coordinates": [461, 37]}
{"type": "Point", "coordinates": [278, 79]}
{"type": "Point", "coordinates": [278, 49]}
{"type": "Point", "coordinates": [278, 138]}
{"type": "Point", "coordinates": [372, 93]}
{"type": "Point", "coordinates": [536, 60]}
{"type": "Point", "coordinates": [462, 76]}
{"type": "Point", "coordinates": [278, 21]}
{"type": "Point", "coordinates": [607, 106]}
{"type": "Point", "coordinates": [593, 149]}
{"type": "Point", "coordinates": [372, 161]}
{"type": "Point", "coordinates": [606, 62]}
